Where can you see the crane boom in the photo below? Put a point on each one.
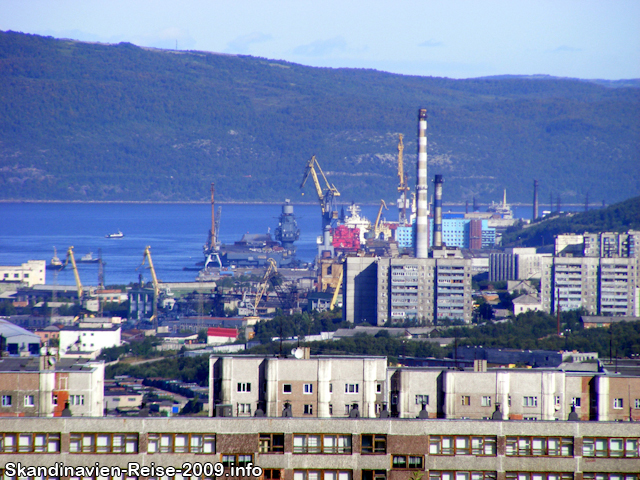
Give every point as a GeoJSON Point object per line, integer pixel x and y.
{"type": "Point", "coordinates": [156, 284]}
{"type": "Point", "coordinates": [326, 196]}
{"type": "Point", "coordinates": [402, 185]}
{"type": "Point", "coordinates": [75, 271]}
{"type": "Point", "coordinates": [262, 289]}
{"type": "Point", "coordinates": [334, 298]}
{"type": "Point", "coordinates": [382, 204]}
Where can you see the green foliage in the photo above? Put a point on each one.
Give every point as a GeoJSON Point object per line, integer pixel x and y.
{"type": "Point", "coordinates": [187, 369]}
{"type": "Point", "coordinates": [85, 121]}
{"type": "Point", "coordinates": [619, 217]}
{"type": "Point", "coordinates": [299, 324]}
{"type": "Point", "coordinates": [142, 348]}
{"type": "Point", "coordinates": [538, 330]}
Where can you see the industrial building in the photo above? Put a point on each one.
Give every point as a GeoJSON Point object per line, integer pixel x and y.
{"type": "Point", "coordinates": [304, 449]}
{"type": "Point", "coordinates": [15, 340]}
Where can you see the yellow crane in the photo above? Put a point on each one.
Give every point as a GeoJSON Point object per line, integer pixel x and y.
{"type": "Point", "coordinates": [403, 188]}
{"type": "Point", "coordinates": [71, 257]}
{"type": "Point", "coordinates": [337, 290]}
{"type": "Point", "coordinates": [156, 284]}
{"type": "Point", "coordinates": [326, 196]}
{"type": "Point", "coordinates": [377, 224]}
{"type": "Point", "coordinates": [262, 288]}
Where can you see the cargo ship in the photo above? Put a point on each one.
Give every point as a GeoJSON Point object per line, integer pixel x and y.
{"type": "Point", "coordinates": [254, 250]}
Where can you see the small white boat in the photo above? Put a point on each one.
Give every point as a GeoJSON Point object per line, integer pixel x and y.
{"type": "Point", "coordinates": [55, 263]}
{"type": "Point", "coordinates": [115, 235]}
{"type": "Point", "coordinates": [88, 258]}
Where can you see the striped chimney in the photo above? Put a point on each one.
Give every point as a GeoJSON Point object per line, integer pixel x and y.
{"type": "Point", "coordinates": [422, 239]}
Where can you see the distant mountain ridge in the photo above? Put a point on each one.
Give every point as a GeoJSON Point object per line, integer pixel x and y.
{"type": "Point", "coordinates": [87, 121]}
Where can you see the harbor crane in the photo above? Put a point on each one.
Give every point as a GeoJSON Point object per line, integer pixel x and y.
{"type": "Point", "coordinates": [336, 292]}
{"type": "Point", "coordinates": [156, 284]}
{"type": "Point", "coordinates": [71, 257]}
{"type": "Point", "coordinates": [269, 274]}
{"type": "Point", "coordinates": [327, 196]}
{"type": "Point", "coordinates": [403, 188]}
{"type": "Point", "coordinates": [377, 224]}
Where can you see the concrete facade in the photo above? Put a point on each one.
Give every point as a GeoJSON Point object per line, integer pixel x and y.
{"type": "Point", "coordinates": [31, 273]}
{"type": "Point", "coordinates": [90, 339]}
{"type": "Point", "coordinates": [359, 287]}
{"type": "Point", "coordinates": [372, 448]}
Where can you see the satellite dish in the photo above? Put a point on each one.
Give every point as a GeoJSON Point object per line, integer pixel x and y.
{"type": "Point", "coordinates": [298, 353]}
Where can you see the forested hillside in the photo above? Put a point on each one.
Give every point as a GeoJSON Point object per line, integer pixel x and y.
{"type": "Point", "coordinates": [619, 217]}
{"type": "Point", "coordinates": [83, 121]}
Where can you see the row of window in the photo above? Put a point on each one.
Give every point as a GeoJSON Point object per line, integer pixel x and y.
{"type": "Point", "coordinates": [30, 400]}
{"type": "Point", "coordinates": [373, 444]}
{"type": "Point", "coordinates": [307, 388]}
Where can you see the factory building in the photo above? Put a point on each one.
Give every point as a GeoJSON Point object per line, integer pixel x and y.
{"type": "Point", "coordinates": [304, 449]}
{"type": "Point", "coordinates": [461, 232]}
{"type": "Point", "coordinates": [515, 264]}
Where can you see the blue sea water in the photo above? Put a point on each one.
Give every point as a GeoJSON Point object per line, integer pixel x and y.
{"type": "Point", "coordinates": [175, 232]}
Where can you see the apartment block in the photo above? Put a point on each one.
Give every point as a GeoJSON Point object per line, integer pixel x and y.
{"type": "Point", "coordinates": [304, 449]}
{"type": "Point", "coordinates": [31, 273]}
{"type": "Point", "coordinates": [602, 286]}
{"type": "Point", "coordinates": [602, 245]}
{"type": "Point", "coordinates": [359, 289]}
{"type": "Point", "coordinates": [40, 387]}
{"type": "Point", "coordinates": [323, 386]}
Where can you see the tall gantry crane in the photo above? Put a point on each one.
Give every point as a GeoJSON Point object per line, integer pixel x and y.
{"type": "Point", "coordinates": [327, 196]}
{"type": "Point", "coordinates": [71, 257]}
{"type": "Point", "coordinates": [156, 285]}
{"type": "Point", "coordinates": [403, 188]}
{"type": "Point", "coordinates": [262, 289]}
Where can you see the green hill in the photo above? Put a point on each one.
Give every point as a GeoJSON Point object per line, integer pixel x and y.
{"type": "Point", "coordinates": [620, 217]}
{"type": "Point", "coordinates": [84, 121]}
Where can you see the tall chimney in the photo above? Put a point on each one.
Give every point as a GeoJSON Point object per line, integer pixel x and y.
{"type": "Point", "coordinates": [437, 221]}
{"type": "Point", "coordinates": [535, 199]}
{"type": "Point", "coordinates": [422, 239]}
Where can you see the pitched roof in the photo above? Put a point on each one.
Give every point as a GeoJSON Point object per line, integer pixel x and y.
{"type": "Point", "coordinates": [222, 332]}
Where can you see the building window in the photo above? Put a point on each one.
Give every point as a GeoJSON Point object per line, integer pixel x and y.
{"type": "Point", "coordinates": [462, 445]}
{"type": "Point", "coordinates": [76, 399]}
{"type": "Point", "coordinates": [308, 409]}
{"type": "Point", "coordinates": [286, 388]}
{"type": "Point", "coordinates": [637, 403]}
{"type": "Point", "coordinates": [29, 401]}
{"type": "Point", "coordinates": [272, 443]}
{"type": "Point", "coordinates": [529, 401]}
{"type": "Point", "coordinates": [29, 443]}
{"type": "Point", "coordinates": [103, 443]}
{"type": "Point", "coordinates": [374, 475]}
{"type": "Point", "coordinates": [308, 388]}
{"type": "Point", "coordinates": [486, 401]}
{"type": "Point", "coordinates": [322, 475]}
{"type": "Point", "coordinates": [379, 388]}
{"type": "Point", "coordinates": [271, 473]}
{"type": "Point", "coordinates": [330, 409]}
{"type": "Point", "coordinates": [244, 387]}
{"type": "Point", "coordinates": [422, 399]}
{"type": "Point", "coordinates": [539, 476]}
{"type": "Point", "coordinates": [351, 387]}
{"type": "Point", "coordinates": [241, 460]}
{"type": "Point", "coordinates": [181, 443]}
{"type": "Point", "coordinates": [466, 400]}
{"type": "Point", "coordinates": [374, 444]}
{"type": "Point", "coordinates": [321, 443]}
{"type": "Point", "coordinates": [6, 400]}
{"type": "Point", "coordinates": [54, 399]}
{"type": "Point", "coordinates": [458, 475]}
{"type": "Point", "coordinates": [408, 462]}
{"type": "Point", "coordinates": [610, 447]}
{"type": "Point", "coordinates": [617, 403]}
{"type": "Point", "coordinates": [540, 446]}
{"type": "Point", "coordinates": [576, 401]}
{"type": "Point", "coordinates": [243, 409]}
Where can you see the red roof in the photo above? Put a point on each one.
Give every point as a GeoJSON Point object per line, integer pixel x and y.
{"type": "Point", "coordinates": [222, 332]}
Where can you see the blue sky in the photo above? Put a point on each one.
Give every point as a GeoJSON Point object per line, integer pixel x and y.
{"type": "Point", "coordinates": [450, 38]}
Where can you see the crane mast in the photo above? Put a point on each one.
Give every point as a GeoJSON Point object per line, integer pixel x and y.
{"type": "Point", "coordinates": [262, 289]}
{"type": "Point", "coordinates": [71, 257]}
{"type": "Point", "coordinates": [403, 188]}
{"type": "Point", "coordinates": [156, 284]}
{"type": "Point", "coordinates": [326, 196]}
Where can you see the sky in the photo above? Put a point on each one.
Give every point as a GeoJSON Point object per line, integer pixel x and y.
{"type": "Point", "coordinates": [444, 38]}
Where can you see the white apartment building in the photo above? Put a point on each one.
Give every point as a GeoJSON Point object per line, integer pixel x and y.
{"type": "Point", "coordinates": [31, 273]}
{"type": "Point", "coordinates": [89, 338]}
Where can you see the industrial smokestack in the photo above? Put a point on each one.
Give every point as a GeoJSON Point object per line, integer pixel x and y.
{"type": "Point", "coordinates": [535, 199]}
{"type": "Point", "coordinates": [422, 239]}
{"type": "Point", "coordinates": [437, 221]}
